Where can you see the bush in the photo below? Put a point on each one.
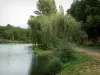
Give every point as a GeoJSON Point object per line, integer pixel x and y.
{"type": "Point", "coordinates": [53, 67]}
{"type": "Point", "coordinates": [64, 52]}
{"type": "Point", "coordinates": [43, 46]}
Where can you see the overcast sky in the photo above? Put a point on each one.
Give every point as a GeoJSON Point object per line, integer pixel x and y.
{"type": "Point", "coordinates": [17, 12]}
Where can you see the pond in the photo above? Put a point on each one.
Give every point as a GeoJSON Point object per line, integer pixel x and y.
{"type": "Point", "coordinates": [18, 59]}
{"type": "Point", "coordinates": [15, 59]}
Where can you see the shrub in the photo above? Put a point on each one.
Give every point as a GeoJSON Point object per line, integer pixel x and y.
{"type": "Point", "coordinates": [64, 52]}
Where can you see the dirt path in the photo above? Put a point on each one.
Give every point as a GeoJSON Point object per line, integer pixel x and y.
{"type": "Point", "coordinates": [90, 52]}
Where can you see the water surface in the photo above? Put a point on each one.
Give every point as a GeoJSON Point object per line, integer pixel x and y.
{"type": "Point", "coordinates": [15, 59]}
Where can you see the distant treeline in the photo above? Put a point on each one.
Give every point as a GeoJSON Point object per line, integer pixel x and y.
{"type": "Point", "coordinates": [13, 34]}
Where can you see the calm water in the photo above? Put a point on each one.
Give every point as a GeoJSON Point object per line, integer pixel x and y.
{"type": "Point", "coordinates": [15, 59]}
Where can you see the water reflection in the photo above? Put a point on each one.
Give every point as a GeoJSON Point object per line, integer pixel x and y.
{"type": "Point", "coordinates": [38, 65]}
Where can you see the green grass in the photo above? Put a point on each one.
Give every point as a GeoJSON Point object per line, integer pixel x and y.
{"type": "Point", "coordinates": [84, 65]}
{"type": "Point", "coordinates": [42, 52]}
{"type": "Point", "coordinates": [90, 47]}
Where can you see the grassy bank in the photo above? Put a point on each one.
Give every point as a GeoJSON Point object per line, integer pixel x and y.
{"type": "Point", "coordinates": [83, 65]}
{"type": "Point", "coordinates": [42, 52]}
{"type": "Point", "coordinates": [90, 47]}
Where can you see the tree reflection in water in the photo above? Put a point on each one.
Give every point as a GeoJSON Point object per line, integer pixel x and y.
{"type": "Point", "coordinates": [38, 65]}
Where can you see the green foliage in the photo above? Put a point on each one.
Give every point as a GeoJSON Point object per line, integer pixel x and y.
{"type": "Point", "coordinates": [87, 11]}
{"type": "Point", "coordinates": [97, 47]}
{"type": "Point", "coordinates": [14, 33]}
{"type": "Point", "coordinates": [64, 52]}
{"type": "Point", "coordinates": [46, 7]}
{"type": "Point", "coordinates": [47, 30]}
{"type": "Point", "coordinates": [81, 9]}
{"type": "Point", "coordinates": [55, 30]}
{"type": "Point", "coordinates": [92, 27]}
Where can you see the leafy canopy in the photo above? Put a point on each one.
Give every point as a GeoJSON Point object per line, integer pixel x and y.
{"type": "Point", "coordinates": [88, 12]}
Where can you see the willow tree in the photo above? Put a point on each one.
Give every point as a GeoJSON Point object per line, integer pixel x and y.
{"type": "Point", "coordinates": [37, 24]}
{"type": "Point", "coordinates": [51, 27]}
{"type": "Point", "coordinates": [48, 30]}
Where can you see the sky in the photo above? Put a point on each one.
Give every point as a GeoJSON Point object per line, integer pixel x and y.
{"type": "Point", "coordinates": [17, 12]}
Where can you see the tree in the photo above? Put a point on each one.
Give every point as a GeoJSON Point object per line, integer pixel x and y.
{"type": "Point", "coordinates": [10, 32]}
{"type": "Point", "coordinates": [81, 9]}
{"type": "Point", "coordinates": [46, 7]}
{"type": "Point", "coordinates": [56, 32]}
{"type": "Point", "coordinates": [87, 11]}
{"type": "Point", "coordinates": [48, 30]}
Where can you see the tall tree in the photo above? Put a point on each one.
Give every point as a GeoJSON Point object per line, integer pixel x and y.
{"type": "Point", "coordinates": [46, 7]}
{"type": "Point", "coordinates": [88, 12]}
